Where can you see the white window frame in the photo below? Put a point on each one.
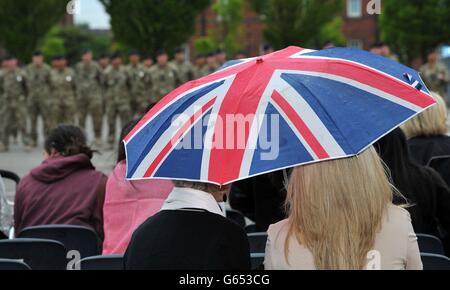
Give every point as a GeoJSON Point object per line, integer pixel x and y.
{"type": "Point", "coordinates": [354, 11]}
{"type": "Point", "coordinates": [355, 43]}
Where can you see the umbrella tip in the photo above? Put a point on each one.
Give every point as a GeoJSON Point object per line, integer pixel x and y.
{"type": "Point", "coordinates": [259, 60]}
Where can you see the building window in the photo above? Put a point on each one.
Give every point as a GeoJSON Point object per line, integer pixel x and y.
{"type": "Point", "coordinates": [355, 43]}
{"type": "Point", "coordinates": [354, 9]}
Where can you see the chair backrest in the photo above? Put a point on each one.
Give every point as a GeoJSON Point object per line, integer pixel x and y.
{"type": "Point", "coordinates": [38, 254]}
{"type": "Point", "coordinates": [236, 217]}
{"type": "Point", "coordinates": [82, 239]}
{"type": "Point", "coordinates": [110, 263]}
{"type": "Point", "coordinates": [10, 175]}
{"type": "Point", "coordinates": [257, 242]}
{"type": "Point", "coordinates": [430, 244]}
{"type": "Point", "coordinates": [257, 261]}
{"type": "Point", "coordinates": [251, 229]}
{"type": "Point", "coordinates": [13, 265]}
{"type": "Point", "coordinates": [435, 262]}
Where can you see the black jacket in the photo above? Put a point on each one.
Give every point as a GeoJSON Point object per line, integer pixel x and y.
{"type": "Point", "coordinates": [423, 149]}
{"type": "Point", "coordinates": [188, 240]}
{"type": "Point", "coordinates": [260, 198]}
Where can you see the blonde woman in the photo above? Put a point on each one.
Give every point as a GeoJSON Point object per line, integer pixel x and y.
{"type": "Point", "coordinates": [341, 217]}
{"type": "Point", "coordinates": [427, 133]}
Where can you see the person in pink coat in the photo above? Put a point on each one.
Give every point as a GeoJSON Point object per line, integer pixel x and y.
{"type": "Point", "coordinates": [129, 203]}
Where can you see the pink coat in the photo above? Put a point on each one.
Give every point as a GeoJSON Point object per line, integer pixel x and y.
{"type": "Point", "coordinates": [127, 205]}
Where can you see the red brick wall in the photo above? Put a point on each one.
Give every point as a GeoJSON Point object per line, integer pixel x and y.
{"type": "Point", "coordinates": [252, 30]}
{"type": "Point", "coordinates": [364, 28]}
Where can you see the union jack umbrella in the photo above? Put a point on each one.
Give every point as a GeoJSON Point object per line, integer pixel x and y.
{"type": "Point", "coordinates": [298, 106]}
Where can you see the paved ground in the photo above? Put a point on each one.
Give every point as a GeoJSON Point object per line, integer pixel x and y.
{"type": "Point", "coordinates": [21, 162]}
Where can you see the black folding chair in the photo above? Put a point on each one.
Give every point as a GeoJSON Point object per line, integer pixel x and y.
{"type": "Point", "coordinates": [38, 254]}
{"type": "Point", "coordinates": [13, 265]}
{"type": "Point", "coordinates": [109, 263]}
{"type": "Point", "coordinates": [82, 239]}
{"type": "Point", "coordinates": [257, 242]}
{"type": "Point", "coordinates": [435, 262]}
{"type": "Point", "coordinates": [257, 261]}
{"type": "Point", "coordinates": [430, 244]}
{"type": "Point", "coordinates": [236, 217]}
{"type": "Point", "coordinates": [10, 175]}
{"type": "Point", "coordinates": [251, 229]}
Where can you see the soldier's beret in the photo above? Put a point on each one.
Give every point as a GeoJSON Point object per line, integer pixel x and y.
{"type": "Point", "coordinates": [37, 53]}
{"type": "Point", "coordinates": [160, 52]}
{"type": "Point", "coordinates": [179, 50]}
{"type": "Point", "coordinates": [134, 52]}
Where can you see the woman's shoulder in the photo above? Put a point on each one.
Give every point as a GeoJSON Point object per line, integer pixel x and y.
{"type": "Point", "coordinates": [277, 229]}
{"type": "Point", "coordinates": [397, 217]}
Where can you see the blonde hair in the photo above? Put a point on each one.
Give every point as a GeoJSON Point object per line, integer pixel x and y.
{"type": "Point", "coordinates": [432, 122]}
{"type": "Point", "coordinates": [336, 208]}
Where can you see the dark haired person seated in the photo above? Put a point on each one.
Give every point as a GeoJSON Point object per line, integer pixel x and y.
{"type": "Point", "coordinates": [189, 233]}
{"type": "Point", "coordinates": [65, 188]}
{"type": "Point", "coordinates": [261, 198]}
{"type": "Point", "coordinates": [425, 190]}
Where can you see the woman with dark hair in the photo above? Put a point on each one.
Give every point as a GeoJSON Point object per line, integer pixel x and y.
{"type": "Point", "coordinates": [423, 187]}
{"type": "Point", "coordinates": [129, 203]}
{"type": "Point", "coordinates": [65, 188]}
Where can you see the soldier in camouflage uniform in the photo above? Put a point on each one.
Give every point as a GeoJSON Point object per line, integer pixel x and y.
{"type": "Point", "coordinates": [435, 75]}
{"type": "Point", "coordinates": [38, 84]}
{"type": "Point", "coordinates": [89, 94]}
{"type": "Point", "coordinates": [200, 62]}
{"type": "Point", "coordinates": [185, 70]}
{"type": "Point", "coordinates": [2, 71]}
{"type": "Point", "coordinates": [137, 83]}
{"type": "Point", "coordinates": [117, 96]}
{"type": "Point", "coordinates": [210, 66]}
{"type": "Point", "coordinates": [164, 77]}
{"type": "Point", "coordinates": [63, 94]}
{"type": "Point", "coordinates": [14, 107]}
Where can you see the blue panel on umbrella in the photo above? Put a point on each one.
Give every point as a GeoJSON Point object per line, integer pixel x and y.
{"type": "Point", "coordinates": [383, 64]}
{"type": "Point", "coordinates": [185, 160]}
{"type": "Point", "coordinates": [361, 116]}
{"type": "Point", "coordinates": [291, 150]}
{"type": "Point", "coordinates": [140, 145]}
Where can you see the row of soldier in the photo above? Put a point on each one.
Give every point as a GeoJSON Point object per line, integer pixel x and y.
{"type": "Point", "coordinates": [60, 94]}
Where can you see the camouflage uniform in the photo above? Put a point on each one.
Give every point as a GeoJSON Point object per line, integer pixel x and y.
{"type": "Point", "coordinates": [436, 78]}
{"type": "Point", "coordinates": [207, 70]}
{"type": "Point", "coordinates": [38, 84]}
{"type": "Point", "coordinates": [63, 100]}
{"type": "Point", "coordinates": [14, 113]}
{"type": "Point", "coordinates": [89, 94]}
{"type": "Point", "coordinates": [164, 80]}
{"type": "Point", "coordinates": [138, 85]}
{"type": "Point", "coordinates": [117, 98]}
{"type": "Point", "coordinates": [185, 71]}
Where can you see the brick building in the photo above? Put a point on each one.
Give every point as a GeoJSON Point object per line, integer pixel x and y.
{"type": "Point", "coordinates": [252, 27]}
{"type": "Point", "coordinates": [359, 28]}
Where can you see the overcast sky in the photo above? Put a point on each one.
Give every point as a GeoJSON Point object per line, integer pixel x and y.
{"type": "Point", "coordinates": [93, 13]}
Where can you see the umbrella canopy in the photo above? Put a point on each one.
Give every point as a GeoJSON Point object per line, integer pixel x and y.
{"type": "Point", "coordinates": [292, 107]}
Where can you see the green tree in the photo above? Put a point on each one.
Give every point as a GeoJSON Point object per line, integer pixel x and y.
{"type": "Point", "coordinates": [298, 22]}
{"type": "Point", "coordinates": [71, 41]}
{"type": "Point", "coordinates": [228, 32]}
{"type": "Point", "coordinates": [153, 24]}
{"type": "Point", "coordinates": [24, 23]}
{"type": "Point", "coordinates": [412, 27]}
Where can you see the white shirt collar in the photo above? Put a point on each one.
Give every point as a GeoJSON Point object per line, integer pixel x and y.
{"type": "Point", "coordinates": [188, 198]}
